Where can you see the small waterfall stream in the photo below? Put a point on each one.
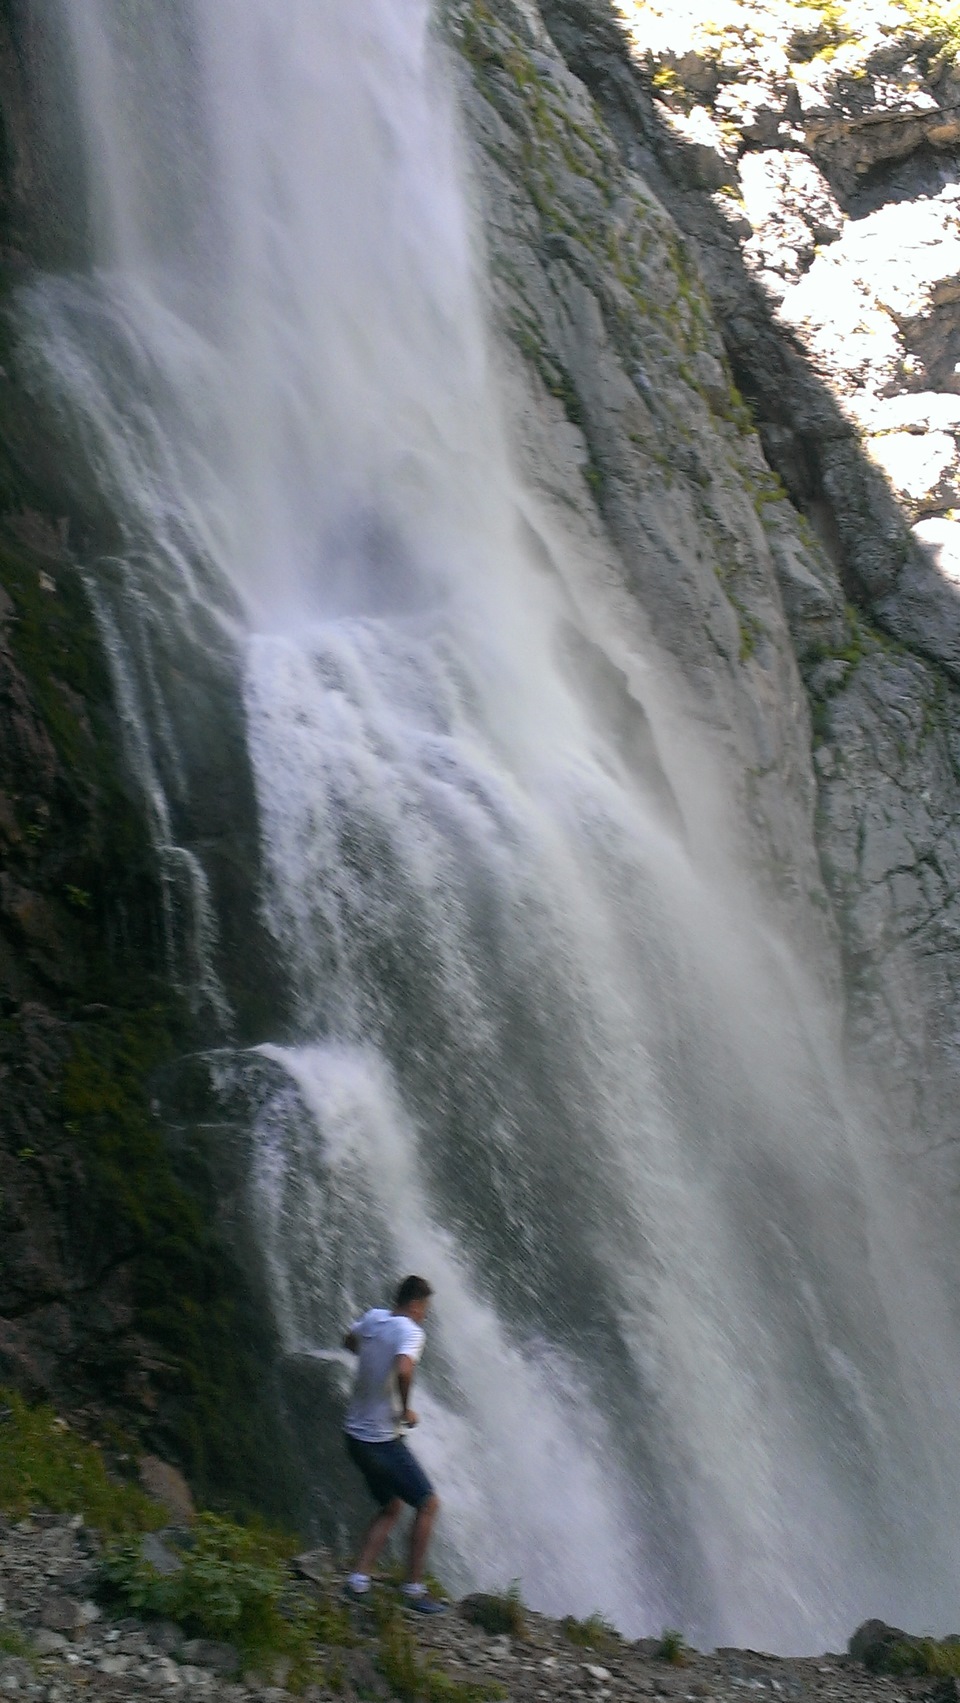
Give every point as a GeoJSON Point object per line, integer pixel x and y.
{"type": "Point", "coordinates": [537, 1051]}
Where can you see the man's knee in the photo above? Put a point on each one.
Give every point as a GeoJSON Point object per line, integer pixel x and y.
{"type": "Point", "coordinates": [430, 1505]}
{"type": "Point", "coordinates": [393, 1509]}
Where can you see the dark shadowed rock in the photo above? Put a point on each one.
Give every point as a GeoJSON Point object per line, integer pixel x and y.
{"type": "Point", "coordinates": [873, 1642]}
{"type": "Point", "coordinates": [208, 1653]}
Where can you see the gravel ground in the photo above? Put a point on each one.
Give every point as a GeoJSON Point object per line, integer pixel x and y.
{"type": "Point", "coordinates": [75, 1651]}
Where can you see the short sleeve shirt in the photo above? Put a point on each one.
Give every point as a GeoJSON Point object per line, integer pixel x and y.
{"type": "Point", "coordinates": [373, 1415]}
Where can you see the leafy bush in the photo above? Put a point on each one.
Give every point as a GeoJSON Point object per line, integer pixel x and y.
{"type": "Point", "coordinates": [594, 1633]}
{"type": "Point", "coordinates": [229, 1585]}
{"type": "Point", "coordinates": [673, 1648]}
{"type": "Point", "coordinates": [43, 1464]}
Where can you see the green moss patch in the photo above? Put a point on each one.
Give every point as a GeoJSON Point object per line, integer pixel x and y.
{"type": "Point", "coordinates": [45, 1465]}
{"type": "Point", "coordinates": [157, 1211]}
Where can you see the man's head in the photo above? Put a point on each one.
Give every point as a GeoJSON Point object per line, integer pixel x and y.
{"type": "Point", "coordinates": [413, 1298]}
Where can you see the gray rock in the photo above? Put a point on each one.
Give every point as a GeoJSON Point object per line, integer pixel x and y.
{"type": "Point", "coordinates": [208, 1653]}
{"type": "Point", "coordinates": [61, 1614]}
{"type": "Point", "coordinates": [159, 1554]}
{"type": "Point", "coordinates": [49, 1643]}
{"type": "Point", "coordinates": [114, 1664]}
{"type": "Point", "coordinates": [167, 1485]}
{"type": "Point", "coordinates": [16, 1675]}
{"type": "Point", "coordinates": [924, 608]}
{"type": "Point", "coordinates": [166, 1636]}
{"type": "Point", "coordinates": [316, 1565]}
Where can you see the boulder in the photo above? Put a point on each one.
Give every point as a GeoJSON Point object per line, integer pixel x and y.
{"type": "Point", "coordinates": [62, 1614]}
{"type": "Point", "coordinates": [167, 1485]}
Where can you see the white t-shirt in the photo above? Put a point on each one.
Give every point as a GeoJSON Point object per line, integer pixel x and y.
{"type": "Point", "coordinates": [373, 1415]}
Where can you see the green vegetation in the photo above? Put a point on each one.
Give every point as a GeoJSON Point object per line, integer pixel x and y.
{"type": "Point", "coordinates": [498, 1613]}
{"type": "Point", "coordinates": [594, 1633]}
{"type": "Point", "coordinates": [230, 1585]}
{"type": "Point", "coordinates": [43, 1464]}
{"type": "Point", "coordinates": [673, 1648]}
{"type": "Point", "coordinates": [13, 1642]}
{"type": "Point", "coordinates": [417, 1679]}
{"type": "Point", "coordinates": [923, 1656]}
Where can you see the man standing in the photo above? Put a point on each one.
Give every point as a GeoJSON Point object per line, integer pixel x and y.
{"type": "Point", "coordinates": [388, 1346]}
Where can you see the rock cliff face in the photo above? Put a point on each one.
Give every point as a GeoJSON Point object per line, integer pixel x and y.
{"type": "Point", "coordinates": [685, 214]}
{"type": "Point", "coordinates": [105, 1211]}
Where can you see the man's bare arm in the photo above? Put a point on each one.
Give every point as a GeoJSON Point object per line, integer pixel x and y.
{"type": "Point", "coordinates": [405, 1369]}
{"type": "Point", "coordinates": [352, 1341]}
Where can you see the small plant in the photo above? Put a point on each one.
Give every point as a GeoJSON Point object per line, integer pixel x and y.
{"type": "Point", "coordinates": [13, 1642]}
{"type": "Point", "coordinates": [414, 1680]}
{"type": "Point", "coordinates": [43, 1464]}
{"type": "Point", "coordinates": [673, 1648]}
{"type": "Point", "coordinates": [497, 1613]}
{"type": "Point", "coordinates": [331, 1623]}
{"type": "Point", "coordinates": [594, 1633]}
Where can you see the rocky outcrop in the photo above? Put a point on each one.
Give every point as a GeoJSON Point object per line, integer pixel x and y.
{"type": "Point", "coordinates": [680, 211]}
{"type": "Point", "coordinates": [633, 434]}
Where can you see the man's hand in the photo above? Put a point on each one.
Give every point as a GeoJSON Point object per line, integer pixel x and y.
{"type": "Point", "coordinates": [409, 1418]}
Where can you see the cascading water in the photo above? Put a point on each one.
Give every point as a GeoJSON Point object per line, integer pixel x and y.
{"type": "Point", "coordinates": [676, 1371]}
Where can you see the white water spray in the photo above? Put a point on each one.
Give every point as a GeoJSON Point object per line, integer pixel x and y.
{"type": "Point", "coordinates": [538, 1055]}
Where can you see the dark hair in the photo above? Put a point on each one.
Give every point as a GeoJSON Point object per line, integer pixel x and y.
{"type": "Point", "coordinates": [412, 1289]}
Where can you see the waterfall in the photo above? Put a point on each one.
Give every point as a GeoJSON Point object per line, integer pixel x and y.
{"type": "Point", "coordinates": [686, 1365]}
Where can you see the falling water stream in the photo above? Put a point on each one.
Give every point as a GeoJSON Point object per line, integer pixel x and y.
{"type": "Point", "coordinates": [538, 1051]}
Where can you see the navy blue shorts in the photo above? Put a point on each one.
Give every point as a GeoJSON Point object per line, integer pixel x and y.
{"type": "Point", "coordinates": [389, 1470]}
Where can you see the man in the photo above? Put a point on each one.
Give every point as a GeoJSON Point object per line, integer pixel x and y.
{"type": "Point", "coordinates": [388, 1346]}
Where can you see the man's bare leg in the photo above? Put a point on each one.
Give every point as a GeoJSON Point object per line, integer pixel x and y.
{"type": "Point", "coordinates": [377, 1533]}
{"type": "Point", "coordinates": [420, 1537]}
